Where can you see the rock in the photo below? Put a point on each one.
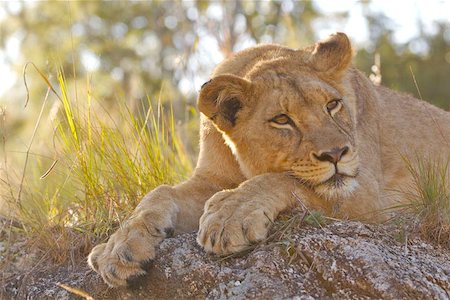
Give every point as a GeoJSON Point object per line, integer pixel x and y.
{"type": "Point", "coordinates": [344, 260]}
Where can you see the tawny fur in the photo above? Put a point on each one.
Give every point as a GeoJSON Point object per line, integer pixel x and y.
{"type": "Point", "coordinates": [250, 165]}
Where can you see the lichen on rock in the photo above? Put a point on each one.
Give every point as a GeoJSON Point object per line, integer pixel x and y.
{"type": "Point", "coordinates": [341, 260]}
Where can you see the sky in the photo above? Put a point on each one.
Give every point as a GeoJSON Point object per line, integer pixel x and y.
{"type": "Point", "coordinates": [404, 13]}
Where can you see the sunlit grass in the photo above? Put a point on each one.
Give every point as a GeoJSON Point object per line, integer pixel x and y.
{"type": "Point", "coordinates": [429, 193]}
{"type": "Point", "coordinates": [95, 167]}
{"type": "Point", "coordinates": [428, 198]}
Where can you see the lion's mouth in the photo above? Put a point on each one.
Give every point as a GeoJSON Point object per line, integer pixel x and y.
{"type": "Point", "coordinates": [338, 179]}
{"type": "Point", "coordinates": [337, 186]}
{"type": "Point", "coordinates": [334, 183]}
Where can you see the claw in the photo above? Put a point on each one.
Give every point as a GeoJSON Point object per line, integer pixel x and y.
{"type": "Point", "coordinates": [112, 271]}
{"type": "Point", "coordinates": [125, 256]}
{"type": "Point", "coordinates": [146, 264]}
{"type": "Point", "coordinates": [244, 229]}
{"type": "Point", "coordinates": [225, 242]}
{"type": "Point", "coordinates": [135, 281]}
{"type": "Point", "coordinates": [93, 263]}
{"type": "Point", "coordinates": [111, 277]}
{"type": "Point", "coordinates": [212, 239]}
{"type": "Point", "coordinates": [169, 231]}
{"type": "Point", "coordinates": [94, 255]}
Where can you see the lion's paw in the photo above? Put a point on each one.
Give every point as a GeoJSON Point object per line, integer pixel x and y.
{"type": "Point", "coordinates": [231, 222]}
{"type": "Point", "coordinates": [127, 253]}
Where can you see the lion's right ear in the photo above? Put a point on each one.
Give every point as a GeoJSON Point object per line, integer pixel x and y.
{"type": "Point", "coordinates": [332, 55]}
{"type": "Point", "coordinates": [222, 98]}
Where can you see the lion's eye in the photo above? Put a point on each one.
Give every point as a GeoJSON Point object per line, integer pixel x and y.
{"type": "Point", "coordinates": [333, 106]}
{"type": "Point", "coordinates": [281, 119]}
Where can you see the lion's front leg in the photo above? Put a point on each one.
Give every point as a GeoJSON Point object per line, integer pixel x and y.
{"type": "Point", "coordinates": [133, 246]}
{"type": "Point", "coordinates": [162, 212]}
{"type": "Point", "coordinates": [167, 209]}
{"type": "Point", "coordinates": [234, 219]}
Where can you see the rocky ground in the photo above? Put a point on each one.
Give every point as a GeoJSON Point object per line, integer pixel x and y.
{"type": "Point", "coordinates": [343, 260]}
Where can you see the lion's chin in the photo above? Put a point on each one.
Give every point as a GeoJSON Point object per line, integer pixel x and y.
{"type": "Point", "coordinates": [337, 187]}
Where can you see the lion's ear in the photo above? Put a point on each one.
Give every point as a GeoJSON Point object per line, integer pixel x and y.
{"type": "Point", "coordinates": [222, 97]}
{"type": "Point", "coordinates": [332, 55]}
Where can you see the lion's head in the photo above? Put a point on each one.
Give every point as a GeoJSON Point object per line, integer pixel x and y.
{"type": "Point", "coordinates": [295, 112]}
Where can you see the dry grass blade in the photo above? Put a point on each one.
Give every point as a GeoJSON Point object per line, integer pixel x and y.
{"type": "Point", "coordinates": [316, 216]}
{"type": "Point", "coordinates": [49, 170]}
{"type": "Point", "coordinates": [45, 78]}
{"type": "Point", "coordinates": [33, 135]}
{"type": "Point", "coordinates": [444, 138]}
{"type": "Point", "coordinates": [10, 223]}
{"type": "Point", "coordinates": [7, 181]}
{"type": "Point", "coordinates": [76, 291]}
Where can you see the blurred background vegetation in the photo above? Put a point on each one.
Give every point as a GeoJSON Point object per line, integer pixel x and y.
{"type": "Point", "coordinates": [132, 50]}
{"type": "Point", "coordinates": [166, 49]}
{"type": "Point", "coordinates": [121, 66]}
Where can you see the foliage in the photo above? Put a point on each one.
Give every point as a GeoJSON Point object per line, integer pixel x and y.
{"type": "Point", "coordinates": [103, 163]}
{"type": "Point", "coordinates": [428, 198]}
{"type": "Point", "coordinates": [431, 68]}
{"type": "Point", "coordinates": [316, 219]}
{"type": "Point", "coordinates": [132, 47]}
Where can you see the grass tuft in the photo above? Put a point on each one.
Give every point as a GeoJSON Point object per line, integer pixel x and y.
{"type": "Point", "coordinates": [428, 198]}
{"type": "Point", "coordinates": [93, 168]}
{"type": "Point", "coordinates": [316, 219]}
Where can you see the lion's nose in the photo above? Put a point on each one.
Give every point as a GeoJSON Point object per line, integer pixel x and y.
{"type": "Point", "coordinates": [333, 156]}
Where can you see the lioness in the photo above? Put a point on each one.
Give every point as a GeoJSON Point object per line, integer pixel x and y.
{"type": "Point", "coordinates": [279, 125]}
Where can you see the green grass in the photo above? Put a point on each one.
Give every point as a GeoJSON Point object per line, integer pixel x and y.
{"type": "Point", "coordinates": [428, 198]}
{"type": "Point", "coordinates": [90, 171]}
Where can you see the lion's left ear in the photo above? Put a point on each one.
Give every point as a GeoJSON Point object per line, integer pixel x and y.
{"type": "Point", "coordinates": [222, 97]}
{"type": "Point", "coordinates": [332, 55]}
